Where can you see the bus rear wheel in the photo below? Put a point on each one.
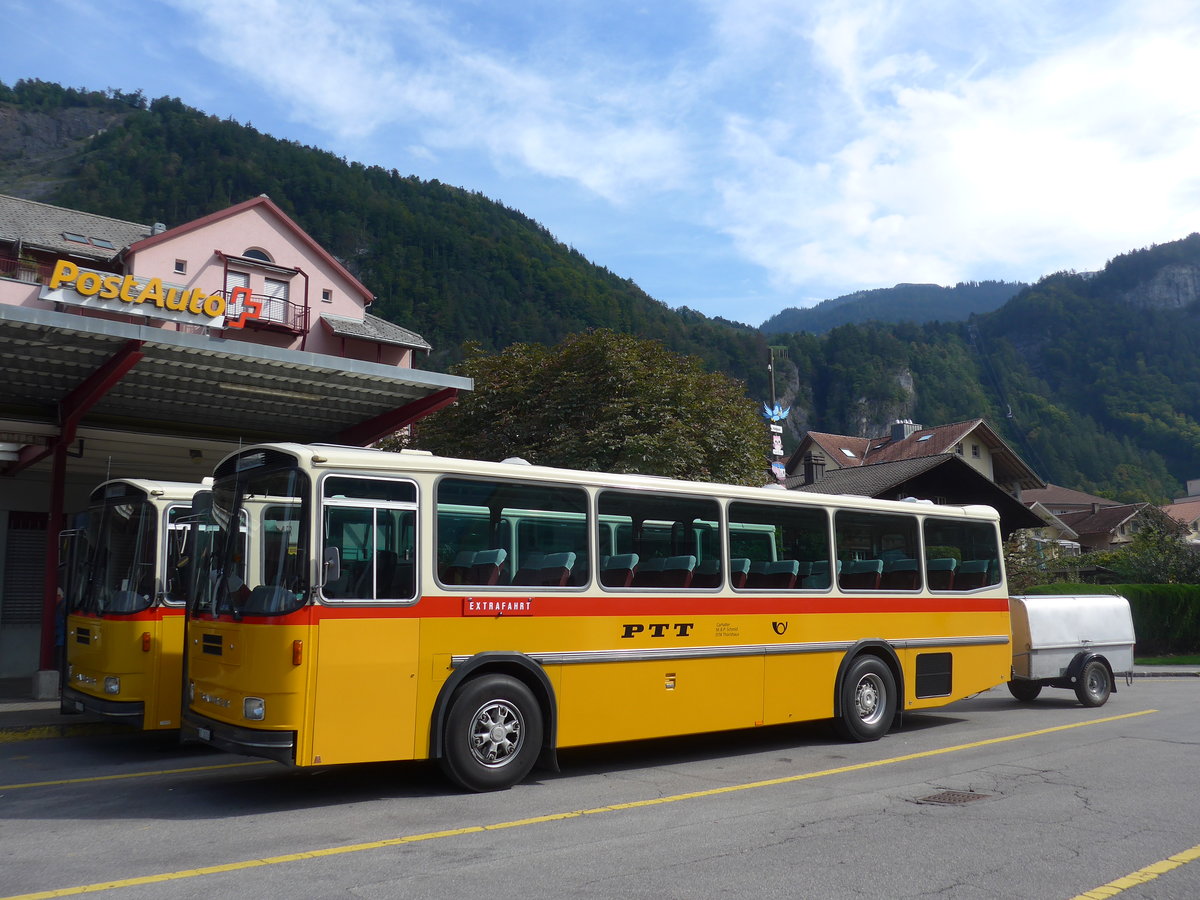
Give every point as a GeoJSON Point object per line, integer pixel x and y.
{"type": "Point", "coordinates": [493, 734]}
{"type": "Point", "coordinates": [868, 700]}
{"type": "Point", "coordinates": [1024, 690]}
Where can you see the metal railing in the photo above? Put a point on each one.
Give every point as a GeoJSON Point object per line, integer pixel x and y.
{"type": "Point", "coordinates": [29, 271]}
{"type": "Point", "coordinates": [275, 313]}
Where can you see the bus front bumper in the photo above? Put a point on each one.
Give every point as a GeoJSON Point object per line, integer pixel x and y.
{"type": "Point", "coordinates": [277, 745]}
{"type": "Point", "coordinates": [129, 712]}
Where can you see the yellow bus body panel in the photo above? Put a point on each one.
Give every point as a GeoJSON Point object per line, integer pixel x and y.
{"type": "Point", "coordinates": [254, 658]}
{"type": "Point", "coordinates": [114, 647]}
{"type": "Point", "coordinates": [364, 706]}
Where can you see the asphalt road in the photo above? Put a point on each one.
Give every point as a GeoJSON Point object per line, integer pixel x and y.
{"type": "Point", "coordinates": [1049, 800]}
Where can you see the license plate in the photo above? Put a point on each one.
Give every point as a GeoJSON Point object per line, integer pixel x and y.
{"type": "Point", "coordinates": [205, 734]}
{"type": "Point", "coordinates": [78, 705]}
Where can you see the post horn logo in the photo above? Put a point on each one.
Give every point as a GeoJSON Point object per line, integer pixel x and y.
{"type": "Point", "coordinates": [779, 627]}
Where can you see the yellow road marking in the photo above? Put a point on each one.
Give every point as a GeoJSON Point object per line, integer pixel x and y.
{"type": "Point", "coordinates": [552, 817]}
{"type": "Point", "coordinates": [1141, 876]}
{"type": "Point", "coordinates": [33, 784]}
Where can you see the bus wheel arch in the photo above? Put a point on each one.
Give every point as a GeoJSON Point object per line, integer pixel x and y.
{"type": "Point", "coordinates": [524, 675]}
{"type": "Point", "coordinates": [868, 692]}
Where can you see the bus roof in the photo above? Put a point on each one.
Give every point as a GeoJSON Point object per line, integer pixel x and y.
{"type": "Point", "coordinates": [168, 490]}
{"type": "Point", "coordinates": [335, 457]}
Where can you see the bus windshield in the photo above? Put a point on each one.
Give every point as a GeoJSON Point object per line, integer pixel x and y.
{"type": "Point", "coordinates": [260, 567]}
{"type": "Point", "coordinates": [121, 544]}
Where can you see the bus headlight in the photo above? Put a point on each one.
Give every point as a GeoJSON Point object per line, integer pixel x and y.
{"type": "Point", "coordinates": [112, 684]}
{"type": "Point", "coordinates": [254, 708]}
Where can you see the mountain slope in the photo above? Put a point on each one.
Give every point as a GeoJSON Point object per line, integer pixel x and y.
{"type": "Point", "coordinates": [1094, 380]}
{"type": "Point", "coordinates": [902, 303]}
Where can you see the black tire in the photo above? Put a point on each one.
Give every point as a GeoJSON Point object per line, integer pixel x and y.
{"type": "Point", "coordinates": [1094, 684]}
{"type": "Point", "coordinates": [493, 734]}
{"type": "Point", "coordinates": [1025, 691]}
{"type": "Point", "coordinates": [868, 695]}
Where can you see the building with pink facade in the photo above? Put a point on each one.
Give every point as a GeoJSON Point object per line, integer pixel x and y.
{"type": "Point", "coordinates": [131, 349]}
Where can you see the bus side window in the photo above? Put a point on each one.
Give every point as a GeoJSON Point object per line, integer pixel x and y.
{"type": "Point", "coordinates": [664, 540]}
{"type": "Point", "coordinates": [878, 551]}
{"type": "Point", "coordinates": [372, 525]}
{"type": "Point", "coordinates": [961, 556]}
{"type": "Point", "coordinates": [511, 533]}
{"type": "Point", "coordinates": [780, 546]}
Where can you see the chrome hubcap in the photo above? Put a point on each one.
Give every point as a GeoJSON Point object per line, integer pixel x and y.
{"type": "Point", "coordinates": [869, 699]}
{"type": "Point", "coordinates": [496, 733]}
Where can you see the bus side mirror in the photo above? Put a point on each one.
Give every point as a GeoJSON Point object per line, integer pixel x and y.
{"type": "Point", "coordinates": [333, 564]}
{"type": "Point", "coordinates": [202, 504]}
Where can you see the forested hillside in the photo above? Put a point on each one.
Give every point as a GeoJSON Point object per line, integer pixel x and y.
{"type": "Point", "coordinates": [1094, 380]}
{"type": "Point", "coordinates": [902, 303]}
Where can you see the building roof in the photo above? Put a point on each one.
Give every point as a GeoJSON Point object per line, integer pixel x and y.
{"type": "Point", "coordinates": [1056, 495]}
{"type": "Point", "coordinates": [869, 480]}
{"type": "Point", "coordinates": [183, 387]}
{"type": "Point", "coordinates": [1185, 511]}
{"type": "Point", "coordinates": [264, 201]}
{"type": "Point", "coordinates": [945, 476]}
{"type": "Point", "coordinates": [843, 451]}
{"type": "Point", "coordinates": [1104, 521]}
{"type": "Point", "coordinates": [43, 227]}
{"type": "Point", "coordinates": [1053, 521]}
{"type": "Point", "coordinates": [925, 442]}
{"type": "Point", "coordinates": [373, 328]}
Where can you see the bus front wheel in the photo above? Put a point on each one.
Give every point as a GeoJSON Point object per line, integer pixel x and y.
{"type": "Point", "coordinates": [868, 700]}
{"type": "Point", "coordinates": [493, 734]}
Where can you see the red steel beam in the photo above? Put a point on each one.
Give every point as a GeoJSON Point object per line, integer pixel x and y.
{"type": "Point", "coordinates": [73, 407]}
{"type": "Point", "coordinates": [381, 426]}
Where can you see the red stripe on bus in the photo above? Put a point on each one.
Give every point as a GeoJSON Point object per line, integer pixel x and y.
{"type": "Point", "coordinates": [572, 606]}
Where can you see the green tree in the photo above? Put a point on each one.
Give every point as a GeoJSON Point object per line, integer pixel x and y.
{"type": "Point", "coordinates": [603, 401]}
{"type": "Point", "coordinates": [1158, 554]}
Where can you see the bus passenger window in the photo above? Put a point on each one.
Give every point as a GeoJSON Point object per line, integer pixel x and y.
{"type": "Point", "coordinates": [877, 551]}
{"type": "Point", "coordinates": [961, 556]}
{"type": "Point", "coordinates": [518, 534]}
{"type": "Point", "coordinates": [372, 525]}
{"type": "Point", "coordinates": [779, 547]}
{"type": "Point", "coordinates": [662, 541]}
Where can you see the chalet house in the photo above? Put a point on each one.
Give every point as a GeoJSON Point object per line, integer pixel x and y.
{"type": "Point", "coordinates": [1186, 510]}
{"type": "Point", "coordinates": [1095, 523]}
{"type": "Point", "coordinates": [963, 463]}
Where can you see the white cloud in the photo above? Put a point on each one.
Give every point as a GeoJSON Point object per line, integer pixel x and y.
{"type": "Point", "coordinates": [357, 68]}
{"type": "Point", "coordinates": [1001, 171]}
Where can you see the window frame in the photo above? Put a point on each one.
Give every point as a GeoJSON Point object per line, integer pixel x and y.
{"type": "Point", "coordinates": [363, 503]}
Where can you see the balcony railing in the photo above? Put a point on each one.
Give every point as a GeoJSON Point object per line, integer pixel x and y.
{"type": "Point", "coordinates": [276, 314]}
{"type": "Point", "coordinates": [26, 270]}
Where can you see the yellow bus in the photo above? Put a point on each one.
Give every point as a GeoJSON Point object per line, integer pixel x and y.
{"type": "Point", "coordinates": [126, 602]}
{"type": "Point", "coordinates": [400, 606]}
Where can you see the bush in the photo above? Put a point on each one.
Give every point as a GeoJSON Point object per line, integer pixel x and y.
{"type": "Point", "coordinates": [1166, 617]}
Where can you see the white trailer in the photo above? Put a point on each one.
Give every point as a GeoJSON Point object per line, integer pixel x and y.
{"type": "Point", "coordinates": [1077, 642]}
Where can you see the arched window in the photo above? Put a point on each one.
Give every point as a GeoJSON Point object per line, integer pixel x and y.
{"type": "Point", "coordinates": [256, 253]}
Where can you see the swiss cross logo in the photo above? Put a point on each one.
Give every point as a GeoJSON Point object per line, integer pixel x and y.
{"type": "Point", "coordinates": [251, 308]}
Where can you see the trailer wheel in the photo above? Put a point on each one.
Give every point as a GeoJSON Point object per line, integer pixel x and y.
{"type": "Point", "coordinates": [868, 700]}
{"type": "Point", "coordinates": [1094, 684]}
{"type": "Point", "coordinates": [1025, 691]}
{"type": "Point", "coordinates": [493, 734]}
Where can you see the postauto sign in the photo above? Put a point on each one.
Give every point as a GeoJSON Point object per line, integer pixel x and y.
{"type": "Point", "coordinates": [150, 297]}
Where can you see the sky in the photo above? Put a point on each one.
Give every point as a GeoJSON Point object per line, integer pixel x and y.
{"type": "Point", "coordinates": [736, 158]}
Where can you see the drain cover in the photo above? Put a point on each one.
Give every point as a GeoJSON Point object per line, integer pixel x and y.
{"type": "Point", "coordinates": [950, 798]}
